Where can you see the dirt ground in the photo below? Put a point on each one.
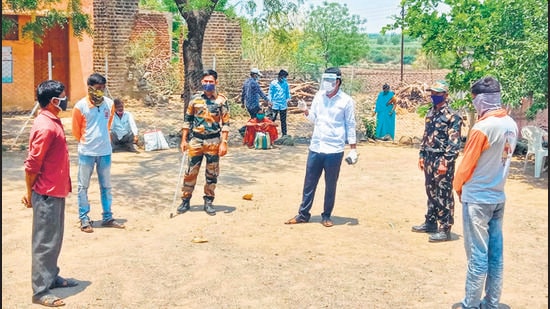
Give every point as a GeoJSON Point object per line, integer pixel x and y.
{"type": "Point", "coordinates": [369, 259]}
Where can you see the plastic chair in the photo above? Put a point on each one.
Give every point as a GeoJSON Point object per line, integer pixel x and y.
{"type": "Point", "coordinates": [534, 136]}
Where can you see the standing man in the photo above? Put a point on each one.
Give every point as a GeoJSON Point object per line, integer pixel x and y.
{"type": "Point", "coordinates": [208, 116]}
{"type": "Point", "coordinates": [92, 118]}
{"type": "Point", "coordinates": [385, 113]}
{"type": "Point", "coordinates": [251, 93]}
{"type": "Point", "coordinates": [48, 180]}
{"type": "Point", "coordinates": [279, 94]}
{"type": "Point", "coordinates": [479, 183]}
{"type": "Point", "coordinates": [333, 115]}
{"type": "Point", "coordinates": [438, 152]}
{"type": "Point", "coordinates": [124, 132]}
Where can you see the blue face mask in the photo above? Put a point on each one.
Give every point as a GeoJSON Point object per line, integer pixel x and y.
{"type": "Point", "coordinates": [436, 99]}
{"type": "Point", "coordinates": [209, 87]}
{"type": "Point", "coordinates": [260, 117]}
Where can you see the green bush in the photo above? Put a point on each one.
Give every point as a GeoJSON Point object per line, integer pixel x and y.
{"type": "Point", "coordinates": [370, 127]}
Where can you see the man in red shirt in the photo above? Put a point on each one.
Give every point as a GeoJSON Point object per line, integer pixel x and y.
{"type": "Point", "coordinates": [47, 176]}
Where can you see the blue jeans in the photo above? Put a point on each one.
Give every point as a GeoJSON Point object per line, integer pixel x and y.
{"type": "Point", "coordinates": [85, 169]}
{"type": "Point", "coordinates": [483, 244]}
{"type": "Point", "coordinates": [316, 164]}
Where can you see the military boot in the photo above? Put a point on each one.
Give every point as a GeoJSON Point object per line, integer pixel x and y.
{"type": "Point", "coordinates": [184, 206]}
{"type": "Point", "coordinates": [208, 205]}
{"type": "Point", "coordinates": [443, 234]}
{"type": "Point", "coordinates": [426, 227]}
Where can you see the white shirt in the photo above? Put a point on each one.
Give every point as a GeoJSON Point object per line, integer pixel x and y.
{"type": "Point", "coordinates": [124, 125]}
{"type": "Point", "coordinates": [92, 124]}
{"type": "Point", "coordinates": [334, 122]}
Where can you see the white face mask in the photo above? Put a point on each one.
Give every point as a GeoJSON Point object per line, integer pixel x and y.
{"type": "Point", "coordinates": [328, 86]}
{"type": "Point", "coordinates": [328, 82]}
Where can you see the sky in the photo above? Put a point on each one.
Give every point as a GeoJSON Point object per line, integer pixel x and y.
{"type": "Point", "coordinates": [377, 12]}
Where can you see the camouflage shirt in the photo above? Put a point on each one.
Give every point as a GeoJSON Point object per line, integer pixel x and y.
{"type": "Point", "coordinates": [207, 116]}
{"type": "Point", "coordinates": [442, 133]}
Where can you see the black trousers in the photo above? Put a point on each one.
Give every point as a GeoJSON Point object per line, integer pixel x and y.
{"type": "Point", "coordinates": [282, 112]}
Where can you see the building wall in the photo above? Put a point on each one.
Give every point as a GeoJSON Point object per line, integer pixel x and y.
{"type": "Point", "coordinates": [20, 94]}
{"type": "Point", "coordinates": [160, 24]}
{"type": "Point", "coordinates": [541, 119]}
{"type": "Point", "coordinates": [222, 51]}
{"type": "Point", "coordinates": [113, 23]}
{"type": "Point", "coordinates": [80, 58]}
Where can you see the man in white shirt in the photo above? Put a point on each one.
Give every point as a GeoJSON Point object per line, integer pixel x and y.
{"type": "Point", "coordinates": [333, 114]}
{"type": "Point", "coordinates": [124, 132]}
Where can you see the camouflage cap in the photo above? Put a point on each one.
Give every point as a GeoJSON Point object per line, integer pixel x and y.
{"type": "Point", "coordinates": [440, 86]}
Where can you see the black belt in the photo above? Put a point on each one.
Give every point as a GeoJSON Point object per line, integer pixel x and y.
{"type": "Point", "coordinates": [205, 136]}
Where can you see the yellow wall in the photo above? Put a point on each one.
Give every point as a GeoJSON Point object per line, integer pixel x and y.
{"type": "Point", "coordinates": [20, 95]}
{"type": "Point", "coordinates": [80, 59]}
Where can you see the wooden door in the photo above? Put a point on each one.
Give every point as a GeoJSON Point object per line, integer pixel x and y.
{"type": "Point", "coordinates": [56, 42]}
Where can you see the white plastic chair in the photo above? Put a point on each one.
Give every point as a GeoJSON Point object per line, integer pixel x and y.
{"type": "Point", "coordinates": [534, 135]}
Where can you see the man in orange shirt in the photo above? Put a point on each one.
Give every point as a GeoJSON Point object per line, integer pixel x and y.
{"type": "Point", "coordinates": [91, 120]}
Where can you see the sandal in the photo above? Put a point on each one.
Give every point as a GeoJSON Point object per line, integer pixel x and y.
{"type": "Point", "coordinates": [48, 300]}
{"type": "Point", "coordinates": [60, 282]}
{"type": "Point", "coordinates": [87, 228]}
{"type": "Point", "coordinates": [295, 220]}
{"type": "Point", "coordinates": [327, 222]}
{"type": "Point", "coordinates": [113, 223]}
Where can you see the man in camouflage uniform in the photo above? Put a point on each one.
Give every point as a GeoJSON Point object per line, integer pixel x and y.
{"type": "Point", "coordinates": [208, 117]}
{"type": "Point", "coordinates": [438, 152]}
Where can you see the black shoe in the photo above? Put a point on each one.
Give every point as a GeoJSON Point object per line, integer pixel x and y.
{"type": "Point", "coordinates": [425, 227]}
{"type": "Point", "coordinates": [208, 206]}
{"type": "Point", "coordinates": [184, 206]}
{"type": "Point", "coordinates": [440, 236]}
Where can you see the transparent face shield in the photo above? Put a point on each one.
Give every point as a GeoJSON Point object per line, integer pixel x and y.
{"type": "Point", "coordinates": [328, 82]}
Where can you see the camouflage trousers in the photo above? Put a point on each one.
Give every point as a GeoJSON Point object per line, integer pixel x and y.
{"type": "Point", "coordinates": [199, 149]}
{"type": "Point", "coordinates": [439, 189]}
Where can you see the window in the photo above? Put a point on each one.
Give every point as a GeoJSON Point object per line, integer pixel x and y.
{"type": "Point", "coordinates": [12, 31]}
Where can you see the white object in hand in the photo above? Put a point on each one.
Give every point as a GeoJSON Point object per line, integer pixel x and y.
{"type": "Point", "coordinates": [352, 157]}
{"type": "Point", "coordinates": [302, 105]}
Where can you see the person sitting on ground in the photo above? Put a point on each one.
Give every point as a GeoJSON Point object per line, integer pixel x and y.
{"type": "Point", "coordinates": [124, 132]}
{"type": "Point", "coordinates": [259, 124]}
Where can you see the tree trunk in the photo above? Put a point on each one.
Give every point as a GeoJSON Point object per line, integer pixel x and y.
{"type": "Point", "coordinates": [196, 21]}
{"type": "Point", "coordinates": [471, 121]}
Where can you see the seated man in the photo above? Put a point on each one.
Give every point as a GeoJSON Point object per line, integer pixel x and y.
{"type": "Point", "coordinates": [259, 124]}
{"type": "Point", "coordinates": [124, 132]}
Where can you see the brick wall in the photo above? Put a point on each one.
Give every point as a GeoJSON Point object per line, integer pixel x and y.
{"type": "Point", "coordinates": [160, 24]}
{"type": "Point", "coordinates": [113, 24]}
{"type": "Point", "coordinates": [118, 22]}
{"type": "Point", "coordinates": [222, 48]}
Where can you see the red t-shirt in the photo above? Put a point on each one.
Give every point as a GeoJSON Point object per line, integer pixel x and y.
{"type": "Point", "coordinates": [49, 156]}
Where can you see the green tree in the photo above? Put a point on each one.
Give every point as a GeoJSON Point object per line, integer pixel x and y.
{"type": "Point", "coordinates": [504, 38]}
{"type": "Point", "coordinates": [341, 37]}
{"type": "Point", "coordinates": [49, 17]}
{"type": "Point", "coordinates": [196, 14]}
{"type": "Point", "coordinates": [395, 38]}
